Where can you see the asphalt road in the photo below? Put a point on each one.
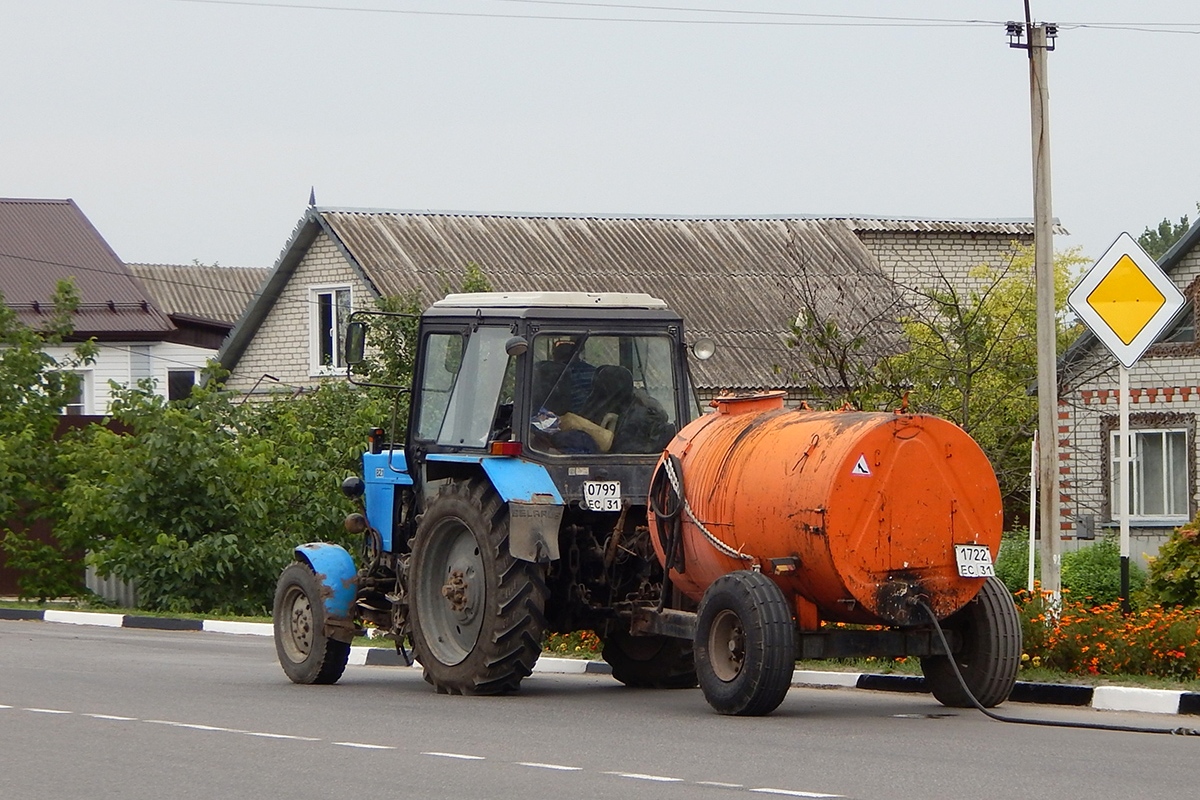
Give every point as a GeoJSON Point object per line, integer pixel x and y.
{"type": "Point", "coordinates": [119, 713]}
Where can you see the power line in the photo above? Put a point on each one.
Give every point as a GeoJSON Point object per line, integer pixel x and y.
{"type": "Point", "coordinates": [747, 17]}
{"type": "Point", "coordinates": [816, 20]}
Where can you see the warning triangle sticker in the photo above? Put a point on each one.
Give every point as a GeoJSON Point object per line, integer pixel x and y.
{"type": "Point", "coordinates": [860, 467]}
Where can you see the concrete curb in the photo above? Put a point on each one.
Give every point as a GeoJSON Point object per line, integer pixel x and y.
{"type": "Point", "coordinates": [1108, 698]}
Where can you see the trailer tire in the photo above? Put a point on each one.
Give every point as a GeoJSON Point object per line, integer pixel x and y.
{"type": "Point", "coordinates": [306, 654]}
{"type": "Point", "coordinates": [990, 632]}
{"type": "Point", "coordinates": [745, 644]}
{"type": "Point", "coordinates": [650, 662]}
{"type": "Point", "coordinates": [478, 614]}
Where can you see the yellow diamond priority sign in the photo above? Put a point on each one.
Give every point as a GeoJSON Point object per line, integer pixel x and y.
{"type": "Point", "coordinates": [1126, 300]}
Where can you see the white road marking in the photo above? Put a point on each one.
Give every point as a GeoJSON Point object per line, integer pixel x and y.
{"type": "Point", "coordinates": [791, 793]}
{"type": "Point", "coordinates": [463, 756]}
{"type": "Point", "coordinates": [265, 735]}
{"type": "Point", "coordinates": [641, 776]}
{"type": "Point", "coordinates": [638, 776]}
{"type": "Point", "coordinates": [364, 746]}
{"type": "Point", "coordinates": [113, 717]}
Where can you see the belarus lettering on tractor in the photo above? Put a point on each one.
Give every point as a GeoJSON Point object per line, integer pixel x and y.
{"type": "Point", "coordinates": [557, 475]}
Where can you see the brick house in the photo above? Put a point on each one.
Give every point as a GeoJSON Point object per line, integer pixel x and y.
{"type": "Point", "coordinates": [739, 281]}
{"type": "Point", "coordinates": [1164, 400]}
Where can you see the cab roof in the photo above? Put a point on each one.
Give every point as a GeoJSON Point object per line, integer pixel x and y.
{"type": "Point", "coordinates": [562, 306]}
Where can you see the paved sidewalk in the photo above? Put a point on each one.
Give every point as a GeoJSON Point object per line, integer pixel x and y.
{"type": "Point", "coordinates": [1109, 698]}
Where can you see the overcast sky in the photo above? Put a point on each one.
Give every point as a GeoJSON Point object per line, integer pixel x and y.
{"type": "Point", "coordinates": [193, 129]}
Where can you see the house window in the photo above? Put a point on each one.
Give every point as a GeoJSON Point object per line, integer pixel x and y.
{"type": "Point", "coordinates": [330, 315]}
{"type": "Point", "coordinates": [79, 403]}
{"type": "Point", "coordinates": [180, 383]}
{"type": "Point", "coordinates": [1158, 474]}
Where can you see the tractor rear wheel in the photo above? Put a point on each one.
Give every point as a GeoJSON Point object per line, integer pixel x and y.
{"type": "Point", "coordinates": [990, 632]}
{"type": "Point", "coordinates": [306, 654]}
{"type": "Point", "coordinates": [650, 662]}
{"type": "Point", "coordinates": [745, 644]}
{"type": "Point", "coordinates": [478, 614]}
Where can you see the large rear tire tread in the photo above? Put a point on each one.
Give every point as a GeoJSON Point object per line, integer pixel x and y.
{"type": "Point", "coordinates": [514, 596]}
{"type": "Point", "coordinates": [753, 608]}
{"type": "Point", "coordinates": [990, 656]}
{"type": "Point", "coordinates": [650, 662]}
{"type": "Point", "coordinates": [306, 654]}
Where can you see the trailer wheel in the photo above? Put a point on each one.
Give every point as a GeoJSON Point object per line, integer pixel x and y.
{"type": "Point", "coordinates": [477, 613]}
{"type": "Point", "coordinates": [306, 654]}
{"type": "Point", "coordinates": [650, 662]}
{"type": "Point", "coordinates": [990, 632]}
{"type": "Point", "coordinates": [745, 644]}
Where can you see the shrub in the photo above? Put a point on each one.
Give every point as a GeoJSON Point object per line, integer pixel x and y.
{"type": "Point", "coordinates": [1175, 572]}
{"type": "Point", "coordinates": [1092, 574]}
{"type": "Point", "coordinates": [202, 503]}
{"type": "Point", "coordinates": [1012, 563]}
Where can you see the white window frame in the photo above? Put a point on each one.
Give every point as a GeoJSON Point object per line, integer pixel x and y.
{"type": "Point", "coordinates": [315, 362]}
{"type": "Point", "coordinates": [86, 404]}
{"type": "Point", "coordinates": [1176, 499]}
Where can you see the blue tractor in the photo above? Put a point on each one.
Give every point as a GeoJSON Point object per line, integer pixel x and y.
{"type": "Point", "coordinates": [517, 505]}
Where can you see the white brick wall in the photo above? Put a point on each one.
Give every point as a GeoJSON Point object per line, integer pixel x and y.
{"type": "Point", "coordinates": [917, 260]}
{"type": "Point", "coordinates": [281, 346]}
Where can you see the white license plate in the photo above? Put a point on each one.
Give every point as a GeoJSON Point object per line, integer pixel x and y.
{"type": "Point", "coordinates": [974, 561]}
{"type": "Point", "coordinates": [602, 495]}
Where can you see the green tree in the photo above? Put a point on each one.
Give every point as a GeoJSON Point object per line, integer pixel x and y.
{"type": "Point", "coordinates": [34, 388]}
{"type": "Point", "coordinates": [201, 503]}
{"type": "Point", "coordinates": [966, 354]}
{"type": "Point", "coordinates": [1158, 240]}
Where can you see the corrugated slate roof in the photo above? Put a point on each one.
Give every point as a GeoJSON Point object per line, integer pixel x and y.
{"type": "Point", "coordinates": [45, 241]}
{"type": "Point", "coordinates": [739, 281]}
{"type": "Point", "coordinates": [211, 294]}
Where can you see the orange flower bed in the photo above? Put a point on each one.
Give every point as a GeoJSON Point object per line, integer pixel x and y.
{"type": "Point", "coordinates": [1101, 640]}
{"type": "Point", "coordinates": [578, 644]}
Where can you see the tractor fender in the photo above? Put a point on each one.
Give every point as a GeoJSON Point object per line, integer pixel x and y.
{"type": "Point", "coordinates": [535, 506]}
{"type": "Point", "coordinates": [334, 568]}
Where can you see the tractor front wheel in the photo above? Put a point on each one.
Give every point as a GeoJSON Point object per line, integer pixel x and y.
{"type": "Point", "coordinates": [478, 614]}
{"type": "Point", "coordinates": [306, 654]}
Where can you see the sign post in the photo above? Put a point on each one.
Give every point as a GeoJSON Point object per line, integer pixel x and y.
{"type": "Point", "coordinates": [1127, 301]}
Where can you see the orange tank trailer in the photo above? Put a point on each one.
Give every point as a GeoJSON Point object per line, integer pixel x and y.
{"type": "Point", "coordinates": [852, 514]}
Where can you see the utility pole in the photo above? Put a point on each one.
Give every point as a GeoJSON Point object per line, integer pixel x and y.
{"type": "Point", "coordinates": [1041, 40]}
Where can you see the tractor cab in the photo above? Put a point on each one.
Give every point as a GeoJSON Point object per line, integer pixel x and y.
{"type": "Point", "coordinates": [588, 386]}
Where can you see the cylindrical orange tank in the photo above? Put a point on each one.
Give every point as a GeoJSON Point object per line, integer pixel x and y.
{"type": "Point", "coordinates": [854, 513]}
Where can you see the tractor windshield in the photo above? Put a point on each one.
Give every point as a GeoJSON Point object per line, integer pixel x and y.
{"type": "Point", "coordinates": [602, 393]}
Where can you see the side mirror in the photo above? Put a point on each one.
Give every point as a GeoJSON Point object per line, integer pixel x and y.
{"type": "Point", "coordinates": [356, 343]}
